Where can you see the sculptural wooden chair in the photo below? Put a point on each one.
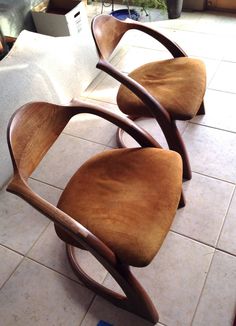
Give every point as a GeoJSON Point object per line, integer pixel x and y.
{"type": "Point", "coordinates": [119, 205]}
{"type": "Point", "coordinates": [167, 90]}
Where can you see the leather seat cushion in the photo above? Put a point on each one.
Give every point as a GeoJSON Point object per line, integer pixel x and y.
{"type": "Point", "coordinates": [178, 84]}
{"type": "Point", "coordinates": [127, 198]}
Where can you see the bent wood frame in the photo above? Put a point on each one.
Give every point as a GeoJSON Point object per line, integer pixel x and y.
{"type": "Point", "coordinates": [106, 44]}
{"type": "Point", "coordinates": [32, 130]}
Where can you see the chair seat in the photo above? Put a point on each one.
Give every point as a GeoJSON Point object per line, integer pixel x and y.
{"type": "Point", "coordinates": [178, 84]}
{"type": "Point", "coordinates": [127, 198]}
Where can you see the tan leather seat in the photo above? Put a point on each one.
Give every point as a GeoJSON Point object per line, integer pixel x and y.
{"type": "Point", "coordinates": [128, 199]}
{"type": "Point", "coordinates": [168, 81]}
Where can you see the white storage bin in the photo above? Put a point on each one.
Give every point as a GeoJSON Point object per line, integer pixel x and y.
{"type": "Point", "coordinates": [59, 22]}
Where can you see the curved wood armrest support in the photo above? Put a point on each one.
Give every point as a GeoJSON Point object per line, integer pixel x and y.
{"type": "Point", "coordinates": [155, 108]}
{"type": "Point", "coordinates": [126, 124]}
{"type": "Point", "coordinates": [170, 45]}
{"type": "Point", "coordinates": [19, 187]}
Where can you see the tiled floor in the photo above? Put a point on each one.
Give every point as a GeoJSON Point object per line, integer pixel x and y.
{"type": "Point", "coordinates": [192, 280]}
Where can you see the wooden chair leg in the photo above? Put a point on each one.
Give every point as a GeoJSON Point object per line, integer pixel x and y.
{"type": "Point", "coordinates": [175, 142]}
{"type": "Point", "coordinates": [201, 110]}
{"type": "Point", "coordinates": [182, 201]}
{"type": "Point", "coordinates": [136, 300]}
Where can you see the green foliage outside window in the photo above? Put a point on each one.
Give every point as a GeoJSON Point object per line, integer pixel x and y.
{"type": "Point", "coordinates": [144, 4]}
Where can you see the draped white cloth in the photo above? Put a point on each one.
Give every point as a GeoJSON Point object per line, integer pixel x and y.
{"type": "Point", "coordinates": [42, 68]}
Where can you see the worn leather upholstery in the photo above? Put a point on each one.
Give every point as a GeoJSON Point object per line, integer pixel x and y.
{"type": "Point", "coordinates": [127, 198]}
{"type": "Point", "coordinates": [168, 81]}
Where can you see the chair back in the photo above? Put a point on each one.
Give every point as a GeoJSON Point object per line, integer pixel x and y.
{"type": "Point", "coordinates": [32, 131]}
{"type": "Point", "coordinates": [107, 32]}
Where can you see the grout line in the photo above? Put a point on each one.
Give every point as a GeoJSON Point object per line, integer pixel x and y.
{"type": "Point", "coordinates": [41, 233]}
{"type": "Point", "coordinates": [46, 183]}
{"type": "Point", "coordinates": [220, 90]}
{"type": "Point", "coordinates": [203, 287]}
{"type": "Point", "coordinates": [79, 137]}
{"type": "Point", "coordinates": [89, 99]}
{"type": "Point", "coordinates": [213, 76]}
{"type": "Point", "coordinates": [212, 177]}
{"type": "Point", "coordinates": [56, 271]}
{"type": "Point", "coordinates": [11, 249]}
{"type": "Point", "coordinates": [180, 29]}
{"type": "Point", "coordinates": [193, 239]}
{"type": "Point", "coordinates": [204, 243]}
{"type": "Point", "coordinates": [218, 238]}
{"type": "Point", "coordinates": [228, 61]}
{"type": "Point", "coordinates": [212, 127]}
{"type": "Point", "coordinates": [13, 271]}
{"type": "Point", "coordinates": [89, 306]}
{"type": "Point", "coordinates": [226, 252]}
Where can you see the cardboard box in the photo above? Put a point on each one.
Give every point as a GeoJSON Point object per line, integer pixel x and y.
{"type": "Point", "coordinates": [59, 17]}
{"type": "Point", "coordinates": [65, 5]}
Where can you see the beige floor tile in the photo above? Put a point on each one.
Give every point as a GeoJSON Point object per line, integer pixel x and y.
{"type": "Point", "coordinates": [211, 151]}
{"type": "Point", "coordinates": [175, 278]}
{"type": "Point", "coordinates": [139, 39]}
{"type": "Point", "coordinates": [218, 300]}
{"type": "Point", "coordinates": [137, 56]}
{"type": "Point", "coordinates": [211, 67]}
{"type": "Point", "coordinates": [44, 298]}
{"type": "Point", "coordinates": [100, 77]}
{"type": "Point", "coordinates": [20, 224]}
{"type": "Point", "coordinates": [151, 126]}
{"type": "Point", "coordinates": [50, 251]}
{"type": "Point", "coordinates": [187, 21]}
{"type": "Point", "coordinates": [64, 158]}
{"type": "Point", "coordinates": [115, 57]}
{"type": "Point", "coordinates": [228, 24]}
{"type": "Point", "coordinates": [210, 23]}
{"type": "Point", "coordinates": [106, 90]}
{"type": "Point", "coordinates": [200, 45]}
{"type": "Point", "coordinates": [230, 50]}
{"type": "Point", "coordinates": [92, 127]}
{"type": "Point", "coordinates": [207, 201]}
{"type": "Point", "coordinates": [220, 111]}
{"type": "Point", "coordinates": [9, 261]}
{"type": "Point", "coordinates": [225, 77]}
{"type": "Point", "coordinates": [227, 241]}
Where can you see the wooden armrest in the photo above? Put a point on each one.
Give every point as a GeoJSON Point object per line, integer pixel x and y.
{"type": "Point", "coordinates": [19, 187]}
{"type": "Point", "coordinates": [155, 108]}
{"type": "Point", "coordinates": [171, 46]}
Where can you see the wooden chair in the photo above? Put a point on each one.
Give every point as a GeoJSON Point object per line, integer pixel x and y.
{"type": "Point", "coordinates": [6, 43]}
{"type": "Point", "coordinates": [119, 205]}
{"type": "Point", "coordinates": [167, 90]}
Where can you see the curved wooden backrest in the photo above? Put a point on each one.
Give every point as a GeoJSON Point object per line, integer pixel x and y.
{"type": "Point", "coordinates": [32, 131]}
{"type": "Point", "coordinates": [107, 32]}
